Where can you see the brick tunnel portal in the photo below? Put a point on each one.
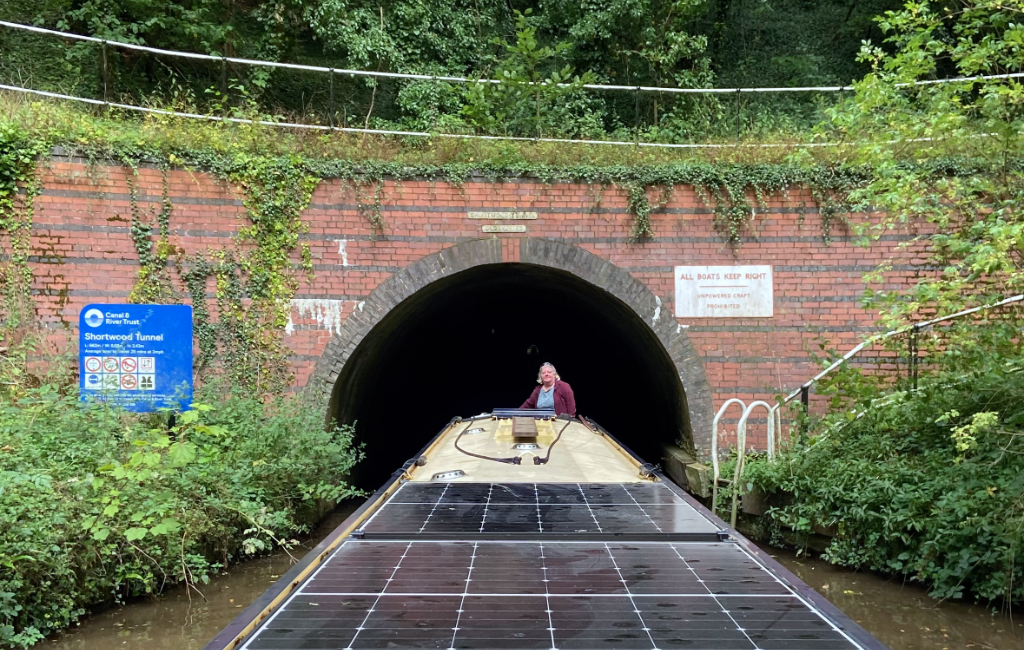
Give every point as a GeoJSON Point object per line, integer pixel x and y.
{"type": "Point", "coordinates": [474, 341]}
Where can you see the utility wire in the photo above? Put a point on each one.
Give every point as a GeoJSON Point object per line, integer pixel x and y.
{"type": "Point", "coordinates": [461, 136]}
{"type": "Point", "coordinates": [416, 134]}
{"type": "Point", "coordinates": [401, 75]}
{"type": "Point", "coordinates": [455, 79]}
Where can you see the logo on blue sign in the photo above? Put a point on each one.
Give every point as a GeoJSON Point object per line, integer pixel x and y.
{"type": "Point", "coordinates": [136, 356]}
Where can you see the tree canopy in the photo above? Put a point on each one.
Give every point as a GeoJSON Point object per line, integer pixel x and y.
{"type": "Point", "coordinates": [676, 43]}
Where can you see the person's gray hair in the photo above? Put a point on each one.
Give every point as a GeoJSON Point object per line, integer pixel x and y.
{"type": "Point", "coordinates": [542, 367]}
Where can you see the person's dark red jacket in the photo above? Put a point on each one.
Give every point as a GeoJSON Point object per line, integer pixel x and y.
{"type": "Point", "coordinates": [565, 401]}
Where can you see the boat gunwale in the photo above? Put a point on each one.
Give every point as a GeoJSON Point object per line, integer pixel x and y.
{"type": "Point", "coordinates": [824, 606]}
{"type": "Point", "coordinates": [250, 619]}
{"type": "Point", "coordinates": [253, 616]}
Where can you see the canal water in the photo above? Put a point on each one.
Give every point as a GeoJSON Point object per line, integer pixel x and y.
{"type": "Point", "coordinates": [178, 620]}
{"type": "Point", "coordinates": [901, 616]}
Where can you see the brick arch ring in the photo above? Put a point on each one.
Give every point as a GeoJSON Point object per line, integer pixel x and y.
{"type": "Point", "coordinates": [582, 264]}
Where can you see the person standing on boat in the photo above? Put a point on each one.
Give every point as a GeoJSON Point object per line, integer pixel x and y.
{"type": "Point", "coordinates": [553, 393]}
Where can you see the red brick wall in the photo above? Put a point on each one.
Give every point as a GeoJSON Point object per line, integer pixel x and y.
{"type": "Point", "coordinates": [82, 253]}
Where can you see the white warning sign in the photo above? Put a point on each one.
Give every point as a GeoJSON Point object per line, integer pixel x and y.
{"type": "Point", "coordinates": [724, 292]}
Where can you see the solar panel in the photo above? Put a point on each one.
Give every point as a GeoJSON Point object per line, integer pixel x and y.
{"type": "Point", "coordinates": [480, 509]}
{"type": "Point", "coordinates": [543, 587]}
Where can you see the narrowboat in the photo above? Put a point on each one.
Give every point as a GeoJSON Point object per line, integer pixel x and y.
{"type": "Point", "coordinates": [519, 529]}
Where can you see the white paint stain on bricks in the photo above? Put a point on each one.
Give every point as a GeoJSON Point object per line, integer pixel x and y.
{"type": "Point", "coordinates": [657, 311]}
{"type": "Point", "coordinates": [343, 250]}
{"type": "Point", "coordinates": [326, 313]}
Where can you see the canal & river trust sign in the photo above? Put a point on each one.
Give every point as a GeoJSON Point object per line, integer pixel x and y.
{"type": "Point", "coordinates": [136, 356]}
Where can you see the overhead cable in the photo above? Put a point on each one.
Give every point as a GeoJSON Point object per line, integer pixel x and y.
{"type": "Point", "coordinates": [416, 134]}
{"type": "Point", "coordinates": [456, 79]}
{"type": "Point", "coordinates": [401, 75]}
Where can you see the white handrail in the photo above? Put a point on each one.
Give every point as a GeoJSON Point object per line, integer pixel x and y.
{"type": "Point", "coordinates": [714, 446]}
{"type": "Point", "coordinates": [903, 330]}
{"type": "Point", "coordinates": [741, 443]}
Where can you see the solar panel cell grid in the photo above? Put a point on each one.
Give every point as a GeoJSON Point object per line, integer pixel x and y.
{"type": "Point", "coordinates": [419, 508]}
{"type": "Point", "coordinates": [542, 595]}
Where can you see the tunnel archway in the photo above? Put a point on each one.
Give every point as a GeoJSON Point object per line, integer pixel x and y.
{"type": "Point", "coordinates": [464, 331]}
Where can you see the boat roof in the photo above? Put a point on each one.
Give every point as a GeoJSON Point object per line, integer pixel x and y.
{"type": "Point", "coordinates": [581, 455]}
{"type": "Point", "coordinates": [591, 550]}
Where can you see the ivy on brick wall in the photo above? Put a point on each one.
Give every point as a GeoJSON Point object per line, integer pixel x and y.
{"type": "Point", "coordinates": [153, 284]}
{"type": "Point", "coordinates": [253, 282]}
{"type": "Point", "coordinates": [19, 185]}
{"type": "Point", "coordinates": [239, 331]}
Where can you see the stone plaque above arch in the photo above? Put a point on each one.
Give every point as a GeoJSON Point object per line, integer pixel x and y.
{"type": "Point", "coordinates": [698, 410]}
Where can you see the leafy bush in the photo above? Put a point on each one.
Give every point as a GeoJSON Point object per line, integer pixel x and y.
{"type": "Point", "coordinates": [927, 484]}
{"type": "Point", "coordinates": [98, 505]}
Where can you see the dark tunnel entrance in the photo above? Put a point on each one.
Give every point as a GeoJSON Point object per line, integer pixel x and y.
{"type": "Point", "coordinates": [474, 340]}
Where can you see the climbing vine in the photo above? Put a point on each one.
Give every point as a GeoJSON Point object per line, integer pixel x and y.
{"type": "Point", "coordinates": [19, 186]}
{"type": "Point", "coordinates": [153, 283]}
{"type": "Point", "coordinates": [241, 296]}
{"type": "Point", "coordinates": [640, 207]}
{"type": "Point", "coordinates": [254, 283]}
{"type": "Point", "coordinates": [371, 211]}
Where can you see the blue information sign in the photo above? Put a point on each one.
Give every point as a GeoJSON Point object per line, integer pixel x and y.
{"type": "Point", "coordinates": [136, 356]}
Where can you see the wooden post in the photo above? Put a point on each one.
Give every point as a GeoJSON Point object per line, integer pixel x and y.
{"type": "Point", "coordinates": [330, 101]}
{"type": "Point", "coordinates": [105, 72]}
{"type": "Point", "coordinates": [223, 79]}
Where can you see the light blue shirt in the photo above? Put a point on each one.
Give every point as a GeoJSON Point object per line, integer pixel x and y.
{"type": "Point", "coordinates": [546, 399]}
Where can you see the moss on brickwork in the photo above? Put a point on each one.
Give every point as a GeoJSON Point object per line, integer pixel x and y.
{"type": "Point", "coordinates": [277, 170]}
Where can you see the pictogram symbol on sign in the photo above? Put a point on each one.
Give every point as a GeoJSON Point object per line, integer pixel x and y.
{"type": "Point", "coordinates": [94, 382]}
{"type": "Point", "coordinates": [129, 382]}
{"type": "Point", "coordinates": [111, 364]}
{"type": "Point", "coordinates": [147, 364]}
{"type": "Point", "coordinates": [129, 364]}
{"type": "Point", "coordinates": [93, 364]}
{"type": "Point", "coordinates": [146, 382]}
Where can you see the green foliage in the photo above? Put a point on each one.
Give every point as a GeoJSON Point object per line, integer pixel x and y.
{"type": "Point", "coordinates": [966, 183]}
{"type": "Point", "coordinates": [254, 294]}
{"type": "Point", "coordinates": [18, 189]}
{"type": "Point", "coordinates": [640, 206]}
{"type": "Point", "coordinates": [254, 282]}
{"type": "Point", "coordinates": [154, 284]}
{"type": "Point", "coordinates": [534, 97]}
{"type": "Point", "coordinates": [99, 505]}
{"type": "Point", "coordinates": [925, 484]}
{"type": "Point", "coordinates": [681, 43]}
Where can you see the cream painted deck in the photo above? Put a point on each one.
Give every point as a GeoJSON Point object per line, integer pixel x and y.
{"type": "Point", "coordinates": [581, 456]}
